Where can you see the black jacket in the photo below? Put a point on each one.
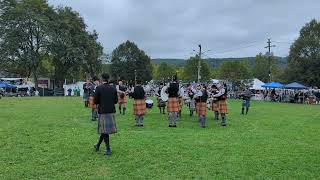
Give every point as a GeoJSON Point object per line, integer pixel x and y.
{"type": "Point", "coordinates": [106, 97]}
{"type": "Point", "coordinates": [173, 90]}
{"type": "Point", "coordinates": [138, 93]}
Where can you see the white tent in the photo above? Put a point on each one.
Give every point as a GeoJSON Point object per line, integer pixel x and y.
{"type": "Point", "coordinates": [257, 84]}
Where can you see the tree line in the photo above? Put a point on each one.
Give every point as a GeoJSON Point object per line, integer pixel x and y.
{"type": "Point", "coordinates": [40, 40]}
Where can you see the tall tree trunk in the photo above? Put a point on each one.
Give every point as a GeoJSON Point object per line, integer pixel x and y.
{"type": "Point", "coordinates": [35, 78]}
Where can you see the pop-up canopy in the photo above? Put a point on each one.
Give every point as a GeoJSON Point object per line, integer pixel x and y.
{"type": "Point", "coordinates": [273, 85]}
{"type": "Point", "coordinates": [6, 85]}
{"type": "Point", "coordinates": [295, 85]}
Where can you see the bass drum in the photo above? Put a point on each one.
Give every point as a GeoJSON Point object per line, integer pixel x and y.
{"type": "Point", "coordinates": [164, 96]}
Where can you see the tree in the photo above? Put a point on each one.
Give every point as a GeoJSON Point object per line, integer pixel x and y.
{"type": "Point", "coordinates": [260, 68]}
{"type": "Point", "coordinates": [304, 56]}
{"type": "Point", "coordinates": [234, 71]}
{"type": "Point", "coordinates": [190, 71]}
{"type": "Point", "coordinates": [165, 71]}
{"type": "Point", "coordinates": [23, 34]}
{"type": "Point", "coordinates": [128, 58]}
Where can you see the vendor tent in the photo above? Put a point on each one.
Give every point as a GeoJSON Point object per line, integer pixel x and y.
{"type": "Point", "coordinates": [7, 86]}
{"type": "Point", "coordinates": [273, 85]}
{"type": "Point", "coordinates": [295, 85]}
{"type": "Point", "coordinates": [257, 84]}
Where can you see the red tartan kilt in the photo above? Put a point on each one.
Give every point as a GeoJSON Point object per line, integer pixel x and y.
{"type": "Point", "coordinates": [215, 106]}
{"type": "Point", "coordinates": [91, 103]}
{"type": "Point", "coordinates": [173, 105]}
{"type": "Point", "coordinates": [122, 99]}
{"type": "Point", "coordinates": [223, 107]}
{"type": "Point", "coordinates": [161, 103]}
{"type": "Point", "coordinates": [139, 107]}
{"type": "Point", "coordinates": [202, 108]}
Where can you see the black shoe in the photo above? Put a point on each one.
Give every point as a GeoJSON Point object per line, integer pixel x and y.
{"type": "Point", "coordinates": [203, 126]}
{"type": "Point", "coordinates": [96, 147]}
{"type": "Point", "coordinates": [141, 125]}
{"type": "Point", "coordinates": [108, 152]}
{"type": "Point", "coordinates": [174, 126]}
{"type": "Point", "coordinates": [170, 126]}
{"type": "Point", "coordinates": [223, 125]}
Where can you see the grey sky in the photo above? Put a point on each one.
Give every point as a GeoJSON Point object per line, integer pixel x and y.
{"type": "Point", "coordinates": [174, 28]}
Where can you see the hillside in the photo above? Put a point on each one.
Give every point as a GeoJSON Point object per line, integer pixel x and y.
{"type": "Point", "coordinates": [216, 62]}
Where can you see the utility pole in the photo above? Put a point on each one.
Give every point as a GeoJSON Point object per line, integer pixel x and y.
{"type": "Point", "coordinates": [269, 57]}
{"type": "Point", "coordinates": [199, 64]}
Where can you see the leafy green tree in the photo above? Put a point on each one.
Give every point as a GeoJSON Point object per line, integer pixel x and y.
{"type": "Point", "coordinates": [234, 71]}
{"type": "Point", "coordinates": [68, 43]}
{"type": "Point", "coordinates": [190, 71]}
{"type": "Point", "coordinates": [304, 56]}
{"type": "Point", "coordinates": [128, 58]}
{"type": "Point", "coordinates": [23, 34]}
{"type": "Point", "coordinates": [165, 71]}
{"type": "Point", "coordinates": [260, 68]}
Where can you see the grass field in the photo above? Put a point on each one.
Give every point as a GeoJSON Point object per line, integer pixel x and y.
{"type": "Point", "coordinates": [52, 138]}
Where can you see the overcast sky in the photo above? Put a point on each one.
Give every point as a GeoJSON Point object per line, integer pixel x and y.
{"type": "Point", "coordinates": [174, 28]}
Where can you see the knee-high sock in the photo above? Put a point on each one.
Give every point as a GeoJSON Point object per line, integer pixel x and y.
{"type": "Point", "coordinates": [107, 141]}
{"type": "Point", "coordinates": [224, 119]}
{"type": "Point", "coordinates": [141, 120]}
{"type": "Point", "coordinates": [242, 110]}
{"type": "Point", "coordinates": [120, 109]}
{"type": "Point", "coordinates": [247, 109]}
{"type": "Point", "coordinates": [101, 138]}
{"type": "Point", "coordinates": [137, 120]}
{"type": "Point", "coordinates": [175, 116]}
{"type": "Point", "coordinates": [170, 118]}
{"type": "Point", "coordinates": [124, 110]}
{"type": "Point", "coordinates": [216, 115]}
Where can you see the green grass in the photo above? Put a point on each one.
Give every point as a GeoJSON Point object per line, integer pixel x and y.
{"type": "Point", "coordinates": [52, 138]}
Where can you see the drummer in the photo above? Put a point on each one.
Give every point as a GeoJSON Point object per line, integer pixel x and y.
{"type": "Point", "coordinates": [161, 102]}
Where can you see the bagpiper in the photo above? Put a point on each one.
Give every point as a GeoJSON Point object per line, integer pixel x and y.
{"type": "Point", "coordinates": [173, 106]}
{"type": "Point", "coordinates": [139, 105]}
{"type": "Point", "coordinates": [222, 103]}
{"type": "Point", "coordinates": [122, 96]}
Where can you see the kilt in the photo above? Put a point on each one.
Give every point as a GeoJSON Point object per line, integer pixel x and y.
{"type": "Point", "coordinates": [173, 104]}
{"type": "Point", "coordinates": [215, 106]}
{"type": "Point", "coordinates": [223, 108]}
{"type": "Point", "coordinates": [202, 108]}
{"type": "Point", "coordinates": [139, 107]}
{"type": "Point", "coordinates": [122, 100]}
{"type": "Point", "coordinates": [91, 103]}
{"type": "Point", "coordinates": [161, 103]}
{"type": "Point", "coordinates": [107, 124]}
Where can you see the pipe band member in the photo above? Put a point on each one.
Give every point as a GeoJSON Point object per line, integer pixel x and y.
{"type": "Point", "coordinates": [173, 106]}
{"type": "Point", "coordinates": [94, 107]}
{"type": "Point", "coordinates": [161, 103]}
{"type": "Point", "coordinates": [139, 105]}
{"type": "Point", "coordinates": [215, 102]}
{"type": "Point", "coordinates": [122, 96]}
{"type": "Point", "coordinates": [106, 97]}
{"type": "Point", "coordinates": [202, 105]}
{"type": "Point", "coordinates": [222, 103]}
{"type": "Point", "coordinates": [191, 101]}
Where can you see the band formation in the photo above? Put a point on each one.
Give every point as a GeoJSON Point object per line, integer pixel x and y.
{"type": "Point", "coordinates": [103, 95]}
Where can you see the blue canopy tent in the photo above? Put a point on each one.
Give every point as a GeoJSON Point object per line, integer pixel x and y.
{"type": "Point", "coordinates": [7, 86]}
{"type": "Point", "coordinates": [295, 85]}
{"type": "Point", "coordinates": [273, 85]}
